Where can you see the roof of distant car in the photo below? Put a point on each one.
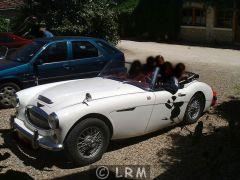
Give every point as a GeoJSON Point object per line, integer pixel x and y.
{"type": "Point", "coordinates": [59, 38]}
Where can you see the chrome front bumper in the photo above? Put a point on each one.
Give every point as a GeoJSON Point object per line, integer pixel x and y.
{"type": "Point", "coordinates": [33, 137]}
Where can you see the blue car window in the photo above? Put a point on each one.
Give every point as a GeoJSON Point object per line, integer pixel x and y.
{"type": "Point", "coordinates": [84, 49]}
{"type": "Point", "coordinates": [107, 47]}
{"type": "Point", "coordinates": [26, 53]}
{"type": "Point", "coordinates": [56, 52]}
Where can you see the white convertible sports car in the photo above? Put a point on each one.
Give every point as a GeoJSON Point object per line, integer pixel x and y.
{"type": "Point", "coordinates": [82, 116]}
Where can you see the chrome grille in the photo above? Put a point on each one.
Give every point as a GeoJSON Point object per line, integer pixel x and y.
{"type": "Point", "coordinates": [37, 117]}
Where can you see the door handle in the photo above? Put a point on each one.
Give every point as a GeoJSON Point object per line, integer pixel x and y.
{"type": "Point", "coordinates": [181, 95]}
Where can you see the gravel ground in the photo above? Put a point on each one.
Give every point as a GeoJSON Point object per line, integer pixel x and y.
{"type": "Point", "coordinates": [173, 153]}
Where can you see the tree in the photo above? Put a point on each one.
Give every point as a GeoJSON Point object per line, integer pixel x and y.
{"type": "Point", "coordinates": [76, 17]}
{"type": "Point", "coordinates": [158, 19]}
{"type": "Point", "coordinates": [4, 25]}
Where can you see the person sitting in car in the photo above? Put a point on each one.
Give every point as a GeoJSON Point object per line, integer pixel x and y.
{"type": "Point", "coordinates": [179, 71]}
{"type": "Point", "coordinates": [168, 81]}
{"type": "Point", "coordinates": [135, 72]}
{"type": "Point", "coordinates": [159, 60]}
{"type": "Point", "coordinates": [149, 67]}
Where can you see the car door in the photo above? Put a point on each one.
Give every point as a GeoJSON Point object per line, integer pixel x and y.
{"type": "Point", "coordinates": [131, 114]}
{"type": "Point", "coordinates": [52, 64]}
{"type": "Point", "coordinates": [87, 60]}
{"type": "Point", "coordinates": [168, 109]}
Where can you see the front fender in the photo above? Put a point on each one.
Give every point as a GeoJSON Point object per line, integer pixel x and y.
{"type": "Point", "coordinates": [195, 87]}
{"type": "Point", "coordinates": [71, 115]}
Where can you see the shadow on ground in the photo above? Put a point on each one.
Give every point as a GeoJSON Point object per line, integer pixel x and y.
{"type": "Point", "coordinates": [214, 155]}
{"type": "Point", "coordinates": [90, 174]}
{"type": "Point", "coordinates": [39, 159]}
{"type": "Point", "coordinates": [44, 160]}
{"type": "Point", "coordinates": [9, 174]}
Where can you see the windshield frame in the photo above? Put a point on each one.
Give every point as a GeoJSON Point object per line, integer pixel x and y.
{"type": "Point", "coordinates": [130, 81]}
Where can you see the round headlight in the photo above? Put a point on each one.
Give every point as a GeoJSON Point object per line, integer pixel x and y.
{"type": "Point", "coordinates": [53, 121]}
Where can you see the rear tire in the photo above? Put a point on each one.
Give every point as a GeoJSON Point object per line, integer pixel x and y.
{"type": "Point", "coordinates": [7, 93]}
{"type": "Point", "coordinates": [194, 109]}
{"type": "Point", "coordinates": [87, 141]}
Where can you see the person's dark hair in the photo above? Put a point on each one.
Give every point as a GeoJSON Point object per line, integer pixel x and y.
{"type": "Point", "coordinates": [167, 70]}
{"type": "Point", "coordinates": [136, 68]}
{"type": "Point", "coordinates": [179, 70]}
{"type": "Point", "coordinates": [150, 64]}
{"type": "Point", "coordinates": [159, 60]}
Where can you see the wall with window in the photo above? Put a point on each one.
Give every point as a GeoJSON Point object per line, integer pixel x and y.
{"type": "Point", "coordinates": [192, 16]}
{"type": "Point", "coordinates": [206, 24]}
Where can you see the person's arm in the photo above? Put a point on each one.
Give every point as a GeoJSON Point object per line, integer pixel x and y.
{"type": "Point", "coordinates": [171, 86]}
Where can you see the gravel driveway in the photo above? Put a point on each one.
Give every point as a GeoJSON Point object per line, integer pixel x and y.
{"type": "Point", "coordinates": [174, 153]}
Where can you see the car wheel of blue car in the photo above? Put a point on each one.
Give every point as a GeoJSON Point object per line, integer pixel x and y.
{"type": "Point", "coordinates": [7, 94]}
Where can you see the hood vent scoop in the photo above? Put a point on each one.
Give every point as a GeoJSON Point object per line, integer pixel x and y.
{"type": "Point", "coordinates": [44, 99]}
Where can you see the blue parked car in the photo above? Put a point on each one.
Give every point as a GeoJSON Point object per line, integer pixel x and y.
{"type": "Point", "coordinates": [54, 59]}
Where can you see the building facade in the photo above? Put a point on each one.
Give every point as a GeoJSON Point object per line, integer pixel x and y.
{"type": "Point", "coordinates": [210, 24]}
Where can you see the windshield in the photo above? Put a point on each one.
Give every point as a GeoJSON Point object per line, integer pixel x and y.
{"type": "Point", "coordinates": [25, 53]}
{"type": "Point", "coordinates": [126, 72]}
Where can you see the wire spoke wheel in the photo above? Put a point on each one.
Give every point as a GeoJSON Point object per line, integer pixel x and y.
{"type": "Point", "coordinates": [194, 109]}
{"type": "Point", "coordinates": [90, 142]}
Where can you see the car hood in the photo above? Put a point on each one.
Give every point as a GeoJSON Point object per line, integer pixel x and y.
{"type": "Point", "coordinates": [6, 64]}
{"type": "Point", "coordinates": [74, 92]}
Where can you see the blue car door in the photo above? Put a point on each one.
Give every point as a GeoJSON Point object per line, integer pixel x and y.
{"type": "Point", "coordinates": [53, 64]}
{"type": "Point", "coordinates": [87, 60]}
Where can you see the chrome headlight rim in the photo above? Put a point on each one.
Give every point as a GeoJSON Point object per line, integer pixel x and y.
{"type": "Point", "coordinates": [53, 121]}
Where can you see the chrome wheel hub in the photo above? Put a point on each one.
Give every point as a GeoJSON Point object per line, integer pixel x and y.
{"type": "Point", "coordinates": [194, 109]}
{"type": "Point", "coordinates": [90, 142]}
{"type": "Point", "coordinates": [7, 95]}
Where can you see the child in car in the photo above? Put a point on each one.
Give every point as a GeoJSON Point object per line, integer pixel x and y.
{"type": "Point", "coordinates": [168, 81]}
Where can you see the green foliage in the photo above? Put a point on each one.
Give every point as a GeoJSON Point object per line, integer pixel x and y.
{"type": "Point", "coordinates": [79, 17]}
{"type": "Point", "coordinates": [4, 25]}
{"type": "Point", "coordinates": [152, 19]}
{"type": "Point", "coordinates": [126, 6]}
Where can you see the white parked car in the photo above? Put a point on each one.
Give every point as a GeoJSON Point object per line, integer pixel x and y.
{"type": "Point", "coordinates": [82, 116]}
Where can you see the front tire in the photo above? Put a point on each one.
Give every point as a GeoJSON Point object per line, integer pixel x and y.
{"type": "Point", "coordinates": [194, 109]}
{"type": "Point", "coordinates": [7, 93]}
{"type": "Point", "coordinates": [87, 141]}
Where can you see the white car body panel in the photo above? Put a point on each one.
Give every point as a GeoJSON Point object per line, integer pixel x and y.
{"type": "Point", "coordinates": [131, 111]}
